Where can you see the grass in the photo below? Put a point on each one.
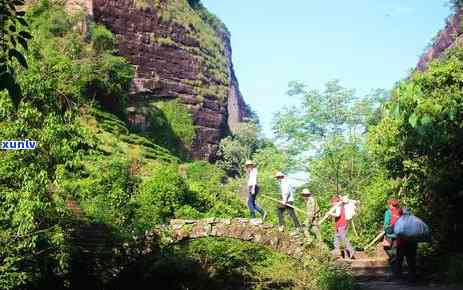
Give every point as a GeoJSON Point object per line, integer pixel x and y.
{"type": "Point", "coordinates": [114, 137]}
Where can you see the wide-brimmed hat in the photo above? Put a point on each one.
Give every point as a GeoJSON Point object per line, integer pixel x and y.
{"type": "Point", "coordinates": [279, 174]}
{"type": "Point", "coordinates": [306, 192]}
{"type": "Point", "coordinates": [249, 163]}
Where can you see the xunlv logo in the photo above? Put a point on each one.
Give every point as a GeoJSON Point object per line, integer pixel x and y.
{"type": "Point", "coordinates": [18, 145]}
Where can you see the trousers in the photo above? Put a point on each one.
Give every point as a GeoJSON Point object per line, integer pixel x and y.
{"type": "Point", "coordinates": [281, 209]}
{"type": "Point", "coordinates": [252, 205]}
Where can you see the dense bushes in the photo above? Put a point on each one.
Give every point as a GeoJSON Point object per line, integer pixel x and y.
{"type": "Point", "coordinates": [168, 124]}
{"type": "Point", "coordinates": [235, 149]}
{"type": "Point", "coordinates": [103, 187]}
{"type": "Point", "coordinates": [34, 222]}
{"type": "Point", "coordinates": [420, 142]}
{"type": "Point", "coordinates": [102, 38]}
{"type": "Point", "coordinates": [201, 193]}
{"type": "Point", "coordinates": [213, 263]}
{"type": "Point", "coordinates": [109, 81]}
{"type": "Point", "coordinates": [160, 195]}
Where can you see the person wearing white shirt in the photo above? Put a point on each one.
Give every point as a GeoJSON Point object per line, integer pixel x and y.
{"type": "Point", "coordinates": [287, 199]}
{"type": "Point", "coordinates": [253, 190]}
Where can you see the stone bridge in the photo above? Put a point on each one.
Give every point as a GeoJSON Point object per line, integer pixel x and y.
{"type": "Point", "coordinates": [250, 230]}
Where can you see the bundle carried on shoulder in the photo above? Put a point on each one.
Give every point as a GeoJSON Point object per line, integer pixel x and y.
{"type": "Point", "coordinates": [411, 227]}
{"type": "Point", "coordinates": [350, 207]}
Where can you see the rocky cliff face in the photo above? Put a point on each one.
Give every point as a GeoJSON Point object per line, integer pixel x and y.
{"type": "Point", "coordinates": [451, 35]}
{"type": "Point", "coordinates": [178, 52]}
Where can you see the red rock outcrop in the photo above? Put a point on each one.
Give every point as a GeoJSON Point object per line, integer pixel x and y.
{"type": "Point", "coordinates": [176, 54]}
{"type": "Point", "coordinates": [448, 37]}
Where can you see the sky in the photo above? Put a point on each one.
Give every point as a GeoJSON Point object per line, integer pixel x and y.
{"type": "Point", "coordinates": [367, 44]}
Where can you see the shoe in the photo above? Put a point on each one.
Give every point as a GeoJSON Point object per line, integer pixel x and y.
{"type": "Point", "coordinates": [352, 255]}
{"type": "Point", "coordinates": [264, 216]}
{"type": "Point", "coordinates": [294, 233]}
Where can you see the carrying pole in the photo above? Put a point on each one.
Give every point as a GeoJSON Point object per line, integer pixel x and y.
{"type": "Point", "coordinates": [331, 211]}
{"type": "Point", "coordinates": [279, 201]}
{"type": "Point", "coordinates": [378, 237]}
{"type": "Point", "coordinates": [354, 228]}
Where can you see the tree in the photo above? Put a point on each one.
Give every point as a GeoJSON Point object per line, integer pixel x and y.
{"type": "Point", "coordinates": [237, 148]}
{"type": "Point", "coordinates": [420, 141]}
{"type": "Point", "coordinates": [12, 35]}
{"type": "Point", "coordinates": [456, 4]}
{"type": "Point", "coordinates": [325, 125]}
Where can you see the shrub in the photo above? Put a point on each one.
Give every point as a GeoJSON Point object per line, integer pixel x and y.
{"type": "Point", "coordinates": [60, 23]}
{"type": "Point", "coordinates": [34, 184]}
{"type": "Point", "coordinates": [33, 242]}
{"type": "Point", "coordinates": [103, 187]}
{"type": "Point", "coordinates": [160, 195]}
{"type": "Point", "coordinates": [235, 149]}
{"type": "Point", "coordinates": [109, 80]}
{"type": "Point", "coordinates": [205, 172]}
{"type": "Point", "coordinates": [214, 198]}
{"type": "Point", "coordinates": [102, 38]}
{"type": "Point", "coordinates": [419, 141]}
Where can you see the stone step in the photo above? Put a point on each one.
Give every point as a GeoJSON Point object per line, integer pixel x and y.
{"type": "Point", "coordinates": [72, 205]}
{"type": "Point", "coordinates": [368, 263]}
{"type": "Point", "coordinates": [365, 267]}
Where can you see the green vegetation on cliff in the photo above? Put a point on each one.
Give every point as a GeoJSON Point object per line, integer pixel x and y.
{"type": "Point", "coordinates": [208, 30]}
{"type": "Point", "coordinates": [168, 123]}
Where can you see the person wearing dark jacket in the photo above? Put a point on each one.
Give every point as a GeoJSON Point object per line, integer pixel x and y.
{"type": "Point", "coordinates": [406, 249]}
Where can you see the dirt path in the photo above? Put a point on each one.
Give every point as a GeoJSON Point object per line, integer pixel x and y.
{"type": "Point", "coordinates": [378, 285]}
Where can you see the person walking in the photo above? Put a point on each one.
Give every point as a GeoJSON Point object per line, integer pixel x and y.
{"type": "Point", "coordinates": [407, 248]}
{"type": "Point", "coordinates": [390, 242]}
{"type": "Point", "coordinates": [287, 200]}
{"type": "Point", "coordinates": [341, 224]}
{"type": "Point", "coordinates": [253, 190]}
{"type": "Point", "coordinates": [312, 212]}
{"type": "Point", "coordinates": [391, 215]}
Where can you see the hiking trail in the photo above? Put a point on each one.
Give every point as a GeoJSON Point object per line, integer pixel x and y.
{"type": "Point", "coordinates": [372, 273]}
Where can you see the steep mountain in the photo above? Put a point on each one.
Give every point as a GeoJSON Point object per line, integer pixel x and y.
{"type": "Point", "coordinates": [449, 36]}
{"type": "Point", "coordinates": [179, 51]}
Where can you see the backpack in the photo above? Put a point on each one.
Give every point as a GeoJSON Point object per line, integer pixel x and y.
{"type": "Point", "coordinates": [412, 228]}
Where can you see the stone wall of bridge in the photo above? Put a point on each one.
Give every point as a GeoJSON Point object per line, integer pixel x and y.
{"type": "Point", "coordinates": [250, 230]}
